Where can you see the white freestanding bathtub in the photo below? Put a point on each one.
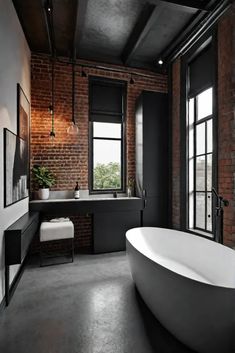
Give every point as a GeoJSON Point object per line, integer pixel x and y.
{"type": "Point", "coordinates": [188, 282]}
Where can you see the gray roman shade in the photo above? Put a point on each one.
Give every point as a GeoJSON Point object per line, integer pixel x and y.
{"type": "Point", "coordinates": [106, 100]}
{"type": "Point", "coordinates": [201, 71]}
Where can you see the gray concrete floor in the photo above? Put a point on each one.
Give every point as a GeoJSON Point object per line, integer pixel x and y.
{"type": "Point", "coordinates": [89, 306]}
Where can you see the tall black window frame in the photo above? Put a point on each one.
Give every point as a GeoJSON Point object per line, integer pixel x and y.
{"type": "Point", "coordinates": [107, 116]}
{"type": "Point", "coordinates": [208, 152]}
{"type": "Point", "coordinates": [208, 38]}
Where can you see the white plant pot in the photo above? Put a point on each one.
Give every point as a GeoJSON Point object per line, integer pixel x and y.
{"type": "Point", "coordinates": [43, 194]}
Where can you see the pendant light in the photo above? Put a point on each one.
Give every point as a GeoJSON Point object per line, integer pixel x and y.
{"type": "Point", "coordinates": [51, 107]}
{"type": "Point", "coordinates": [73, 128]}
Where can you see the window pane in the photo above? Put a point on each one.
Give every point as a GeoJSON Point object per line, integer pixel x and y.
{"type": "Point", "coordinates": [106, 130]}
{"type": "Point", "coordinates": [106, 164]}
{"type": "Point", "coordinates": [209, 136]}
{"type": "Point", "coordinates": [191, 111]}
{"type": "Point", "coordinates": [191, 127]}
{"type": "Point", "coordinates": [209, 212]}
{"type": "Point", "coordinates": [209, 172]}
{"type": "Point", "coordinates": [200, 138]}
{"type": "Point", "coordinates": [200, 173]}
{"type": "Point", "coordinates": [200, 210]}
{"type": "Point", "coordinates": [204, 104]}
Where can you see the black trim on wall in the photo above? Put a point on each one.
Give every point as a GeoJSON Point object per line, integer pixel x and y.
{"type": "Point", "coordinates": [209, 37]}
{"type": "Point", "coordinates": [183, 144]}
{"type": "Point", "coordinates": [170, 96]}
{"type": "Point", "coordinates": [216, 123]}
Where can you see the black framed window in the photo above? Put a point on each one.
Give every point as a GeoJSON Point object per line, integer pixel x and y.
{"type": "Point", "coordinates": [199, 136]}
{"type": "Point", "coordinates": [200, 164]}
{"type": "Point", "coordinates": [107, 142]}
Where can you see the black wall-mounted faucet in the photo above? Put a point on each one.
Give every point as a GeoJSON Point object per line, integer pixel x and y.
{"type": "Point", "coordinates": [219, 216]}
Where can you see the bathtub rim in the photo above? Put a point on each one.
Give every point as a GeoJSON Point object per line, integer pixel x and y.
{"type": "Point", "coordinates": [203, 288]}
{"type": "Point", "coordinates": [211, 285]}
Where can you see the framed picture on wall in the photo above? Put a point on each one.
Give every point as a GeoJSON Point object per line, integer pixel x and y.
{"type": "Point", "coordinates": [15, 168]}
{"type": "Point", "coordinates": [23, 118]}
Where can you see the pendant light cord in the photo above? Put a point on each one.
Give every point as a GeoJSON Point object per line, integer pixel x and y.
{"type": "Point", "coordinates": [73, 93]}
{"type": "Point", "coordinates": [52, 97]}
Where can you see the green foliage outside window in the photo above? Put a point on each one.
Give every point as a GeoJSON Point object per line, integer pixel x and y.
{"type": "Point", "coordinates": [107, 176]}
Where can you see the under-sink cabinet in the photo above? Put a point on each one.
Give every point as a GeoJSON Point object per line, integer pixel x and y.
{"type": "Point", "coordinates": [109, 229]}
{"type": "Point", "coordinates": [111, 217]}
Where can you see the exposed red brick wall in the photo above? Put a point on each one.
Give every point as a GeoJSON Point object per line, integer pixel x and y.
{"type": "Point", "coordinates": [226, 119]}
{"type": "Point", "coordinates": [67, 157]}
{"type": "Point", "coordinates": [176, 144]}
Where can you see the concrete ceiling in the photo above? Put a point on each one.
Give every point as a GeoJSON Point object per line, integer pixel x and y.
{"type": "Point", "coordinates": [127, 32]}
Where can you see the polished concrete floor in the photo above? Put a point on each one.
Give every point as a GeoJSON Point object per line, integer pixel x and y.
{"type": "Point", "coordinates": [89, 306]}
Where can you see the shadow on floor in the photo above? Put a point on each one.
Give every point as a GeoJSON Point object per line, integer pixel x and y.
{"type": "Point", "coordinates": [160, 339]}
{"type": "Point", "coordinates": [90, 305]}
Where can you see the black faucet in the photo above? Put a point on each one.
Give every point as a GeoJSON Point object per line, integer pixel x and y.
{"type": "Point", "coordinates": [219, 216]}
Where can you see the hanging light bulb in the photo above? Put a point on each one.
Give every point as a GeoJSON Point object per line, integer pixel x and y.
{"type": "Point", "coordinates": [73, 128]}
{"type": "Point", "coordinates": [52, 132]}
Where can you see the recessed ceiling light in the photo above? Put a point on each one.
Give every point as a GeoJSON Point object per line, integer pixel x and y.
{"type": "Point", "coordinates": [160, 62]}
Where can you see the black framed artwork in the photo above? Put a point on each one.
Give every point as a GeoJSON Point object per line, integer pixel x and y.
{"type": "Point", "coordinates": [23, 117]}
{"type": "Point", "coordinates": [15, 168]}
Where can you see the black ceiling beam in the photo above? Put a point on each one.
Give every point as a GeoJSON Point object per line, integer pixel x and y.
{"type": "Point", "coordinates": [79, 24]}
{"type": "Point", "coordinates": [190, 26]}
{"type": "Point", "coordinates": [48, 12]}
{"type": "Point", "coordinates": [195, 4]}
{"type": "Point", "coordinates": [187, 39]}
{"type": "Point", "coordinates": [144, 23]}
{"type": "Point", "coordinates": [197, 18]}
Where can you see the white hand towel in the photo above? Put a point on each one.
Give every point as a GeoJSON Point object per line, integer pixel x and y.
{"type": "Point", "coordinates": [61, 219]}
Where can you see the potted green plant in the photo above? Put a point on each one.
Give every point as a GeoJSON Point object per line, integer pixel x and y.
{"type": "Point", "coordinates": [44, 179]}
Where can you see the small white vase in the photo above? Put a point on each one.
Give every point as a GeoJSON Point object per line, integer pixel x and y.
{"type": "Point", "coordinates": [43, 194]}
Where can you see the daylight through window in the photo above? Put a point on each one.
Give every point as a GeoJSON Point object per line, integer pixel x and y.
{"type": "Point", "coordinates": [107, 156]}
{"type": "Point", "coordinates": [200, 160]}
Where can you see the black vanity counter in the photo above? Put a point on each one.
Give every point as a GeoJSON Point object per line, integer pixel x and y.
{"type": "Point", "coordinates": [111, 217]}
{"type": "Point", "coordinates": [87, 205]}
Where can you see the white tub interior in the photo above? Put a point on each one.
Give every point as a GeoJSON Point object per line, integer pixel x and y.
{"type": "Point", "coordinates": [186, 254]}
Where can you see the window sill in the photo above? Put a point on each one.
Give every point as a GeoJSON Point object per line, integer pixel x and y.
{"type": "Point", "coordinates": [201, 233]}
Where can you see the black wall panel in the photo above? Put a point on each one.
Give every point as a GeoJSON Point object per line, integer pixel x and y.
{"type": "Point", "coordinates": [152, 157]}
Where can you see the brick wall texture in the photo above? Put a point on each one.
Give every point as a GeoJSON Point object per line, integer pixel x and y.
{"type": "Point", "coordinates": [226, 125]}
{"type": "Point", "coordinates": [226, 121]}
{"type": "Point", "coordinates": [67, 157]}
